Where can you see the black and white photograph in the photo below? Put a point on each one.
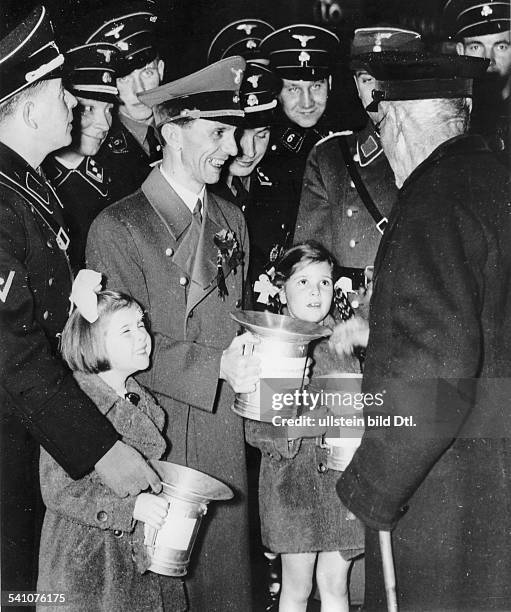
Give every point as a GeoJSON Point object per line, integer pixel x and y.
{"type": "Point", "coordinates": [255, 302]}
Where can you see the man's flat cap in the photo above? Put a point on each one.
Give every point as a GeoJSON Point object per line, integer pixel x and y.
{"type": "Point", "coordinates": [93, 70]}
{"type": "Point", "coordinates": [28, 54]}
{"type": "Point", "coordinates": [131, 28]}
{"type": "Point", "coordinates": [241, 37]}
{"type": "Point", "coordinates": [467, 18]}
{"type": "Point", "coordinates": [301, 52]}
{"type": "Point", "coordinates": [421, 75]}
{"type": "Point", "coordinates": [210, 93]}
{"type": "Point", "coordinates": [259, 91]}
{"type": "Point", "coordinates": [377, 39]}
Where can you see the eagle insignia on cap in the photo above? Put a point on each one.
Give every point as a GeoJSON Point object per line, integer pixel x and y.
{"type": "Point", "coordinates": [303, 39]}
{"type": "Point", "coordinates": [303, 58]}
{"type": "Point", "coordinates": [107, 53]}
{"type": "Point", "coordinates": [378, 39]}
{"type": "Point", "coordinates": [251, 44]}
{"type": "Point", "coordinates": [252, 100]}
{"type": "Point", "coordinates": [107, 77]}
{"type": "Point", "coordinates": [254, 80]}
{"type": "Point", "coordinates": [237, 75]}
{"type": "Point", "coordinates": [486, 10]}
{"type": "Point", "coordinates": [246, 27]}
{"type": "Point", "coordinates": [115, 31]}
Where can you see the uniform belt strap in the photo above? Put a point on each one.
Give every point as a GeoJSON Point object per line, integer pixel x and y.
{"type": "Point", "coordinates": [372, 209]}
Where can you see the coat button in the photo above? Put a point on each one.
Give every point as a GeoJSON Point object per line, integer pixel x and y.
{"type": "Point", "coordinates": [351, 211]}
{"type": "Point", "coordinates": [322, 468]}
{"type": "Point", "coordinates": [102, 516]}
{"type": "Point", "coordinates": [169, 252]}
{"type": "Point", "coordinates": [117, 533]}
{"type": "Point", "coordinates": [238, 304]}
{"type": "Point", "coordinates": [353, 243]}
{"type": "Point", "coordinates": [45, 314]}
{"type": "Point", "coordinates": [50, 282]}
{"type": "Point", "coordinates": [183, 281]}
{"type": "Point", "coordinates": [352, 184]}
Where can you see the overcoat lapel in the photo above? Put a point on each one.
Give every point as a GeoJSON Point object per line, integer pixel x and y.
{"type": "Point", "coordinates": [195, 254]}
{"type": "Point", "coordinates": [175, 215]}
{"type": "Point", "coordinates": [205, 268]}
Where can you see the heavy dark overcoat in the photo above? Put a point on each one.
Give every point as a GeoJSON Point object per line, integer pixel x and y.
{"type": "Point", "coordinates": [440, 346]}
{"type": "Point", "coordinates": [331, 211]}
{"type": "Point", "coordinates": [41, 402]}
{"type": "Point", "coordinates": [143, 245]}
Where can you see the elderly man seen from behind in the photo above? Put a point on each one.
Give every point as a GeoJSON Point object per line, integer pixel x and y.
{"type": "Point", "coordinates": [439, 350]}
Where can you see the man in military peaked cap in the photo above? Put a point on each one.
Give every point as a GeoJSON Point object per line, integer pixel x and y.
{"type": "Point", "coordinates": [348, 187]}
{"type": "Point", "coordinates": [439, 349]}
{"type": "Point", "coordinates": [180, 250]}
{"type": "Point", "coordinates": [240, 182]}
{"type": "Point", "coordinates": [41, 402]}
{"type": "Point", "coordinates": [303, 56]}
{"type": "Point", "coordinates": [483, 29]}
{"type": "Point", "coordinates": [133, 144]}
{"type": "Point", "coordinates": [81, 182]}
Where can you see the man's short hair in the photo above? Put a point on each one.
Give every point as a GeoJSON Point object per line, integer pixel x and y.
{"type": "Point", "coordinates": [8, 108]}
{"type": "Point", "coordinates": [169, 112]}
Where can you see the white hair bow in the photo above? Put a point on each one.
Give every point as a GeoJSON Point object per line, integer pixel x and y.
{"type": "Point", "coordinates": [84, 294]}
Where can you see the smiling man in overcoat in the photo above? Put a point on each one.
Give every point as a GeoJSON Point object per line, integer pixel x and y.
{"type": "Point", "coordinates": [179, 250]}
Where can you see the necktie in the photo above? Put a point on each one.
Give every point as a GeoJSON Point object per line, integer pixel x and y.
{"type": "Point", "coordinates": [132, 397]}
{"type": "Point", "coordinates": [197, 211]}
{"type": "Point", "coordinates": [153, 144]}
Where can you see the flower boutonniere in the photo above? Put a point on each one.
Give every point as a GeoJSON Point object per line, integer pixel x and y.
{"type": "Point", "coordinates": [228, 253]}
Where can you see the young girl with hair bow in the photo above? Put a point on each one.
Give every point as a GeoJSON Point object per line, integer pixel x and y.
{"type": "Point", "coordinates": [92, 543]}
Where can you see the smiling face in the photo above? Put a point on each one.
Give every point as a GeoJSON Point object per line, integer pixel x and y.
{"type": "Point", "coordinates": [304, 102]}
{"type": "Point", "coordinates": [253, 145]}
{"type": "Point", "coordinates": [495, 47]}
{"type": "Point", "coordinates": [95, 119]}
{"type": "Point", "coordinates": [137, 81]}
{"type": "Point", "coordinates": [309, 291]}
{"type": "Point", "coordinates": [203, 148]}
{"type": "Point", "coordinates": [127, 343]}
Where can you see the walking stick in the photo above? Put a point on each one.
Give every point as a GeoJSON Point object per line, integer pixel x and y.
{"type": "Point", "coordinates": [389, 574]}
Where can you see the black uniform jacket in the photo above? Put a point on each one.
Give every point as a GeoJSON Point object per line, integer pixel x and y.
{"type": "Point", "coordinates": [35, 285]}
{"type": "Point", "coordinates": [440, 353]}
{"type": "Point", "coordinates": [277, 184]}
{"type": "Point", "coordinates": [84, 192]}
{"type": "Point", "coordinates": [123, 160]}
